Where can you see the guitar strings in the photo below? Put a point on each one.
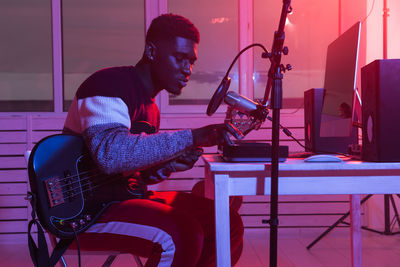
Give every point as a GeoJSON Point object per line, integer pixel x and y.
{"type": "Point", "coordinates": [94, 186]}
{"type": "Point", "coordinates": [75, 191]}
{"type": "Point", "coordinates": [79, 174]}
{"type": "Point", "coordinates": [74, 180]}
{"type": "Point", "coordinates": [88, 178]}
{"type": "Point", "coordinates": [81, 182]}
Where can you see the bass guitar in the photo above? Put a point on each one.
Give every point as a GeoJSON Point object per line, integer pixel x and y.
{"type": "Point", "coordinates": [68, 189]}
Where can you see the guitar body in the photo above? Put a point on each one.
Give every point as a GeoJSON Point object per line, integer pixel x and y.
{"type": "Point", "coordinates": [65, 183]}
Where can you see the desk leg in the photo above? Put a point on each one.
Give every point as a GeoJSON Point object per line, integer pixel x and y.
{"type": "Point", "coordinates": [208, 183]}
{"type": "Point", "coordinates": [355, 229]}
{"type": "Point", "coordinates": [222, 226]}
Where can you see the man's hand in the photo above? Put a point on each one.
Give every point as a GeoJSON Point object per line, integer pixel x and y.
{"type": "Point", "coordinates": [161, 172]}
{"type": "Point", "coordinates": [215, 134]}
{"type": "Point", "coordinates": [187, 160]}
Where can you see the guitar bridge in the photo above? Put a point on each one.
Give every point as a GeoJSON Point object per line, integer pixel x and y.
{"type": "Point", "coordinates": [54, 191]}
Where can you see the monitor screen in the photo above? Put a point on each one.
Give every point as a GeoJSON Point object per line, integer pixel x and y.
{"type": "Point", "coordinates": [340, 84]}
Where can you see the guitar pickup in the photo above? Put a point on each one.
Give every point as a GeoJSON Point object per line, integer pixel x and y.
{"type": "Point", "coordinates": [54, 191]}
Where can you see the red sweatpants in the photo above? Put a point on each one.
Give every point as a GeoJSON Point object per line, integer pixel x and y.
{"type": "Point", "coordinates": [170, 229]}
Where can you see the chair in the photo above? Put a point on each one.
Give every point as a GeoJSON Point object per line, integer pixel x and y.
{"type": "Point", "coordinates": [62, 262]}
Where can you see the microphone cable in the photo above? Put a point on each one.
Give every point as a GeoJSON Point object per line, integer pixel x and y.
{"type": "Point", "coordinates": [240, 53]}
{"type": "Point", "coordinates": [369, 13]}
{"type": "Point", "coordinates": [77, 247]}
{"type": "Point", "coordinates": [289, 134]}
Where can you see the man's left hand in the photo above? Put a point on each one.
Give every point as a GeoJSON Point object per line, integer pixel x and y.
{"type": "Point", "coordinates": [187, 160]}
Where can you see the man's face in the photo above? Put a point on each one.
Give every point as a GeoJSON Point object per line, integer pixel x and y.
{"type": "Point", "coordinates": [173, 63]}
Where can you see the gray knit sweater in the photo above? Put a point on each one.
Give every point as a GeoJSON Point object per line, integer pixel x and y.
{"type": "Point", "coordinates": [104, 110]}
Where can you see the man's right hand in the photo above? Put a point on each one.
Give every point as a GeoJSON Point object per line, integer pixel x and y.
{"type": "Point", "coordinates": [214, 134]}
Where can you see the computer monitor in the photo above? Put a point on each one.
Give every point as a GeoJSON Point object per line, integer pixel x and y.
{"type": "Point", "coordinates": [340, 84]}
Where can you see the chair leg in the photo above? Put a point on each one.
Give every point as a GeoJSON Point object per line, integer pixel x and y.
{"type": "Point", "coordinates": [109, 261]}
{"type": "Point", "coordinates": [138, 261]}
{"type": "Point", "coordinates": [62, 262]}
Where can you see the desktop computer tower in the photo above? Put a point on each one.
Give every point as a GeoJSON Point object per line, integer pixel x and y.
{"type": "Point", "coordinates": [313, 100]}
{"type": "Point", "coordinates": [380, 96]}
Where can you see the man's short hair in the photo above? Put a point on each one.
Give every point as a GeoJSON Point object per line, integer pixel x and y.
{"type": "Point", "coordinates": [169, 26]}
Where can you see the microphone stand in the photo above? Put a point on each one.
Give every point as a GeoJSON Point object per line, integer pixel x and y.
{"type": "Point", "coordinates": [275, 77]}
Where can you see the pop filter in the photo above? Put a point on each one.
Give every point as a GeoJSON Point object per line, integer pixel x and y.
{"type": "Point", "coordinates": [218, 96]}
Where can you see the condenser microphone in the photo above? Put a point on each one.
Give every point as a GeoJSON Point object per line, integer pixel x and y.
{"type": "Point", "coordinates": [240, 103]}
{"type": "Point", "coordinates": [236, 102]}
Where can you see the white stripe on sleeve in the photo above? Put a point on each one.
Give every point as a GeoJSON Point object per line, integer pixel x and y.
{"type": "Point", "coordinates": [101, 110]}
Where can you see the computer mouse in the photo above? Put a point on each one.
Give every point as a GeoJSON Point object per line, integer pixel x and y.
{"type": "Point", "coordinates": [323, 158]}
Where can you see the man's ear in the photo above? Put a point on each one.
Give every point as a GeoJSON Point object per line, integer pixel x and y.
{"type": "Point", "coordinates": [150, 51]}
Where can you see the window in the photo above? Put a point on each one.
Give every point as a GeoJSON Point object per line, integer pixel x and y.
{"type": "Point", "coordinates": [217, 21]}
{"type": "Point", "coordinates": [99, 34]}
{"type": "Point", "coordinates": [309, 29]}
{"type": "Point", "coordinates": [25, 56]}
{"type": "Point", "coordinates": [102, 33]}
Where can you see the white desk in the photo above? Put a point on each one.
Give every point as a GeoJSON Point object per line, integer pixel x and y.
{"type": "Point", "coordinates": [296, 178]}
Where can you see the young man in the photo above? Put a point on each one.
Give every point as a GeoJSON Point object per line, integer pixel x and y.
{"type": "Point", "coordinates": [169, 228]}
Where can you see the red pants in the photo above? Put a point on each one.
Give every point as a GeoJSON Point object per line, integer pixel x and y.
{"type": "Point", "coordinates": [170, 229]}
